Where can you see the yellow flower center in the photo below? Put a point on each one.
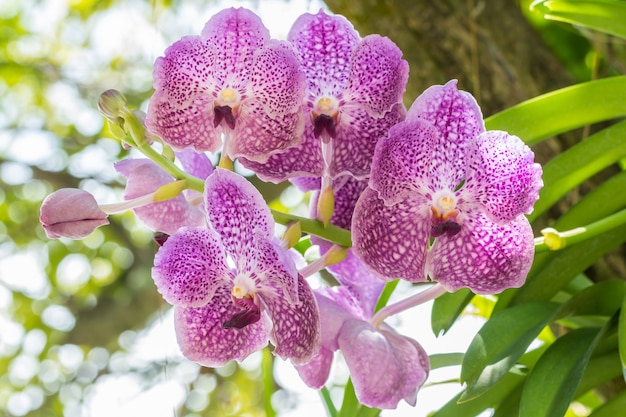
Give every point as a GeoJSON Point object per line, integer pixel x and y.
{"type": "Point", "coordinates": [243, 287]}
{"type": "Point", "coordinates": [228, 96]}
{"type": "Point", "coordinates": [444, 206]}
{"type": "Point", "coordinates": [327, 106]}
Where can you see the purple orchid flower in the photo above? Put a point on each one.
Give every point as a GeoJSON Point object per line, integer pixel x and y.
{"type": "Point", "coordinates": [385, 367]}
{"type": "Point", "coordinates": [231, 80]}
{"type": "Point", "coordinates": [144, 177]}
{"type": "Point", "coordinates": [232, 284]}
{"type": "Point", "coordinates": [439, 175]}
{"type": "Point", "coordinates": [354, 96]}
{"type": "Point", "coordinates": [71, 213]}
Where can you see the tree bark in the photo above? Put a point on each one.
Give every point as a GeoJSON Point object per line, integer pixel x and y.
{"type": "Point", "coordinates": [489, 47]}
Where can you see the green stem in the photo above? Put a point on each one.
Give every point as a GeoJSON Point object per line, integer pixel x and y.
{"type": "Point", "coordinates": [555, 240]}
{"type": "Point", "coordinates": [328, 402]}
{"type": "Point", "coordinates": [267, 365]}
{"type": "Point", "coordinates": [329, 232]}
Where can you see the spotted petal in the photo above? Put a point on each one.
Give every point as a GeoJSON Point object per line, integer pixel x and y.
{"type": "Point", "coordinates": [144, 177]}
{"type": "Point", "coordinates": [181, 109]}
{"type": "Point", "coordinates": [296, 332]}
{"type": "Point", "coordinates": [378, 75]}
{"type": "Point", "coordinates": [385, 367]}
{"type": "Point", "coordinates": [391, 240]}
{"type": "Point", "coordinates": [237, 212]}
{"type": "Point", "coordinates": [357, 135]}
{"type": "Point", "coordinates": [403, 163]}
{"type": "Point", "coordinates": [190, 267]}
{"type": "Point", "coordinates": [237, 34]}
{"type": "Point", "coordinates": [485, 257]}
{"type": "Point", "coordinates": [501, 175]}
{"type": "Point", "coordinates": [201, 336]}
{"type": "Point", "coordinates": [194, 163]}
{"type": "Point", "coordinates": [324, 44]}
{"type": "Point", "coordinates": [459, 119]}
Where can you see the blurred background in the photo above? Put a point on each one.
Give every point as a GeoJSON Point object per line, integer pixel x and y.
{"type": "Point", "coordinates": [83, 331]}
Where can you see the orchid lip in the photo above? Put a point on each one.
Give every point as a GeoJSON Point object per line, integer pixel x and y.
{"type": "Point", "coordinates": [224, 113]}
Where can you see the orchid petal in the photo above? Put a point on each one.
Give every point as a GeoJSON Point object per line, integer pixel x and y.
{"type": "Point", "coordinates": [459, 119]}
{"type": "Point", "coordinates": [237, 34]}
{"type": "Point", "coordinates": [237, 212]}
{"type": "Point", "coordinates": [315, 372]}
{"type": "Point", "coordinates": [385, 367]}
{"type": "Point", "coordinates": [403, 163]}
{"type": "Point", "coordinates": [485, 257]}
{"type": "Point", "coordinates": [190, 267]}
{"type": "Point", "coordinates": [357, 135]}
{"type": "Point", "coordinates": [324, 44]}
{"type": "Point", "coordinates": [181, 109]}
{"type": "Point", "coordinates": [71, 213]}
{"type": "Point", "coordinates": [194, 163]}
{"type": "Point", "coordinates": [296, 332]}
{"type": "Point", "coordinates": [144, 177]}
{"type": "Point", "coordinates": [378, 75]}
{"type": "Point", "coordinates": [273, 269]}
{"type": "Point", "coordinates": [391, 240]}
{"type": "Point", "coordinates": [201, 336]}
{"type": "Point", "coordinates": [501, 175]}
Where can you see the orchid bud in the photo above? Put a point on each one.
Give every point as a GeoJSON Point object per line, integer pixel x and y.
{"type": "Point", "coordinates": [71, 213]}
{"type": "Point", "coordinates": [112, 104]}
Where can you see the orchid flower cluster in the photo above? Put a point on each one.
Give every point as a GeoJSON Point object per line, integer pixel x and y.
{"type": "Point", "coordinates": [427, 194]}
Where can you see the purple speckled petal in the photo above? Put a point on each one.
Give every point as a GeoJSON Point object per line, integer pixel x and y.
{"type": "Point", "coordinates": [181, 109]}
{"type": "Point", "coordinates": [237, 34]}
{"type": "Point", "coordinates": [257, 136]}
{"type": "Point", "coordinates": [403, 163]}
{"type": "Point", "coordinates": [485, 257]}
{"type": "Point", "coordinates": [385, 367]}
{"type": "Point", "coordinates": [315, 372]}
{"type": "Point", "coordinates": [391, 240]}
{"type": "Point", "coordinates": [357, 135]}
{"type": "Point", "coordinates": [378, 75]}
{"type": "Point", "coordinates": [71, 213]}
{"type": "Point", "coordinates": [277, 81]}
{"type": "Point", "coordinates": [459, 119]}
{"type": "Point", "coordinates": [201, 336]}
{"type": "Point", "coordinates": [324, 44]}
{"type": "Point", "coordinates": [336, 305]}
{"type": "Point", "coordinates": [144, 177]}
{"type": "Point", "coordinates": [299, 161]}
{"type": "Point", "coordinates": [237, 212]}
{"type": "Point", "coordinates": [501, 175]}
{"type": "Point", "coordinates": [190, 267]}
{"type": "Point", "coordinates": [273, 269]}
{"type": "Point", "coordinates": [296, 332]}
{"type": "Point", "coordinates": [194, 163]}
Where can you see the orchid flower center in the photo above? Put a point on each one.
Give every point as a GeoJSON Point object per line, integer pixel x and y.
{"type": "Point", "coordinates": [226, 107]}
{"type": "Point", "coordinates": [325, 112]}
{"type": "Point", "coordinates": [444, 214]}
{"type": "Point", "coordinates": [243, 296]}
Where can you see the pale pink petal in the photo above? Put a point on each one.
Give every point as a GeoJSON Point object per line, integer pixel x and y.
{"type": "Point", "coordinates": [71, 213]}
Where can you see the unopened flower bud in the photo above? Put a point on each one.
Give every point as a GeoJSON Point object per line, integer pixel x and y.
{"type": "Point", "coordinates": [71, 213]}
{"type": "Point", "coordinates": [326, 205]}
{"type": "Point", "coordinates": [111, 104]}
{"type": "Point", "coordinates": [292, 235]}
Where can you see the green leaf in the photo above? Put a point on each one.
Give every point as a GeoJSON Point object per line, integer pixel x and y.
{"type": "Point", "coordinates": [386, 294]}
{"type": "Point", "coordinates": [500, 343]}
{"type": "Point", "coordinates": [563, 110]}
{"type": "Point", "coordinates": [607, 16]}
{"type": "Point", "coordinates": [612, 408]}
{"type": "Point", "coordinates": [441, 360]}
{"type": "Point", "coordinates": [601, 299]}
{"type": "Point", "coordinates": [570, 168]}
{"type": "Point", "coordinates": [552, 382]}
{"type": "Point", "coordinates": [447, 308]}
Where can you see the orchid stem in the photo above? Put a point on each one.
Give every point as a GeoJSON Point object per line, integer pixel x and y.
{"type": "Point", "coordinates": [409, 302]}
{"type": "Point", "coordinates": [555, 240]}
{"type": "Point", "coordinates": [329, 232]}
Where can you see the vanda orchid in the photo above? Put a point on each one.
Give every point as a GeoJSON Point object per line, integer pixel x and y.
{"type": "Point", "coordinates": [435, 195]}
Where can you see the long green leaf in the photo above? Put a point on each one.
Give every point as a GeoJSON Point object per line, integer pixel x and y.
{"type": "Point", "coordinates": [552, 382]}
{"type": "Point", "coordinates": [607, 16]}
{"type": "Point", "coordinates": [563, 110]}
{"type": "Point", "coordinates": [500, 343]}
{"type": "Point", "coordinates": [612, 408]}
{"type": "Point", "coordinates": [622, 335]}
{"type": "Point", "coordinates": [447, 308]}
{"type": "Point", "coordinates": [441, 360]}
{"type": "Point", "coordinates": [602, 299]}
{"type": "Point", "coordinates": [570, 168]}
